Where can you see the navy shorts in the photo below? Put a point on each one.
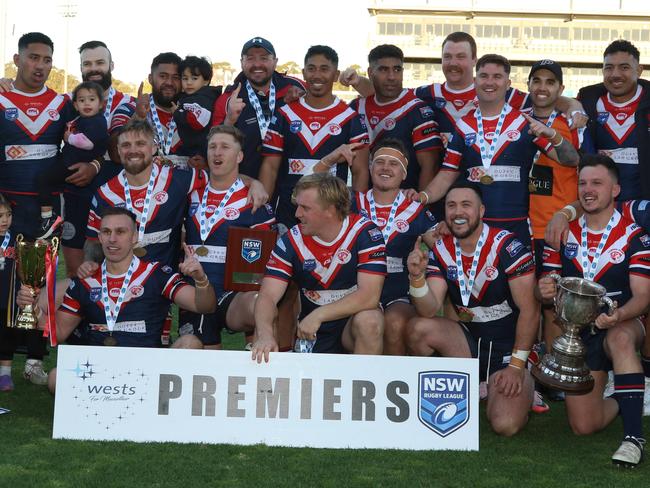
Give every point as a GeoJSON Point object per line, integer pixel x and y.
{"type": "Point", "coordinates": [76, 208]}
{"type": "Point", "coordinates": [329, 337]}
{"type": "Point", "coordinates": [493, 356]}
{"type": "Point", "coordinates": [207, 327]}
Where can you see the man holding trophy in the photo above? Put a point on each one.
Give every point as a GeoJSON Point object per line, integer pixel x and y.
{"type": "Point", "coordinates": [606, 248]}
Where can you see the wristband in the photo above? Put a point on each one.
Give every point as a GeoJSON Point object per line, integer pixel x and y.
{"type": "Point", "coordinates": [517, 363]}
{"type": "Point", "coordinates": [95, 164]}
{"type": "Point", "coordinates": [572, 211]}
{"type": "Point", "coordinates": [204, 283]}
{"type": "Point", "coordinates": [515, 366]}
{"type": "Point", "coordinates": [520, 354]}
{"type": "Point", "coordinates": [419, 291]}
{"type": "Point", "coordinates": [426, 197]}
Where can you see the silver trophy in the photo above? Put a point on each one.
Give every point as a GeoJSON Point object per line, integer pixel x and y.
{"type": "Point", "coordinates": [577, 304]}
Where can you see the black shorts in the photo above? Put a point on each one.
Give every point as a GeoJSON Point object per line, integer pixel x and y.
{"type": "Point", "coordinates": [76, 208]}
{"type": "Point", "coordinates": [26, 212]}
{"type": "Point", "coordinates": [207, 327]}
{"type": "Point", "coordinates": [493, 356]}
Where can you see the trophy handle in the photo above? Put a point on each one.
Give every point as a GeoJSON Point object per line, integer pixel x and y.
{"type": "Point", "coordinates": [611, 306]}
{"type": "Point", "coordinates": [555, 277]}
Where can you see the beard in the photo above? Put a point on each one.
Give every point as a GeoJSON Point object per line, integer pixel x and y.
{"type": "Point", "coordinates": [472, 225]}
{"type": "Point", "coordinates": [105, 82]}
{"type": "Point", "coordinates": [162, 100]}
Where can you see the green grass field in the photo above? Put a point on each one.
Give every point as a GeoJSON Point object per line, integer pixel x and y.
{"type": "Point", "coordinates": [546, 454]}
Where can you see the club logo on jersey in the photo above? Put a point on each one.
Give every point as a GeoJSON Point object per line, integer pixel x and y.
{"type": "Point", "coordinates": [296, 126]}
{"type": "Point", "coordinates": [602, 117]}
{"type": "Point", "coordinates": [161, 197]}
{"type": "Point", "coordinates": [645, 240]}
{"type": "Point", "coordinates": [491, 273]}
{"type": "Point", "coordinates": [314, 125]}
{"type": "Point", "coordinates": [334, 129]}
{"type": "Point", "coordinates": [95, 294]}
{"type": "Point", "coordinates": [309, 265]}
{"type": "Point", "coordinates": [470, 139]}
{"type": "Point", "coordinates": [375, 234]}
{"type": "Point", "coordinates": [11, 114]}
{"type": "Point", "coordinates": [571, 250]}
{"type": "Point", "coordinates": [32, 112]}
{"type": "Point", "coordinates": [443, 400]}
{"type": "Point", "coordinates": [439, 102]}
{"type": "Point", "coordinates": [136, 291]}
{"type": "Point", "coordinates": [452, 273]}
{"type": "Point", "coordinates": [513, 135]}
{"type": "Point", "coordinates": [231, 213]}
{"type": "Point", "coordinates": [296, 166]}
{"type": "Point", "coordinates": [401, 226]}
{"type": "Point", "coordinates": [616, 256]}
{"type": "Point", "coordinates": [514, 247]}
{"type": "Point", "coordinates": [194, 206]}
{"type": "Point", "coordinates": [167, 269]}
{"type": "Point", "coordinates": [389, 123]}
{"type": "Point", "coordinates": [343, 256]}
{"type": "Point", "coordinates": [251, 250]}
{"type": "Point", "coordinates": [374, 120]}
{"type": "Point", "coordinates": [427, 111]}
{"type": "Point", "coordinates": [53, 114]}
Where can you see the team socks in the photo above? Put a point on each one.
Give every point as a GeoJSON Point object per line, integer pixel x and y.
{"type": "Point", "coordinates": [629, 389]}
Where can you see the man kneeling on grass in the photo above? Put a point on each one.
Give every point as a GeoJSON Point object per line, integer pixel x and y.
{"type": "Point", "coordinates": [125, 302]}
{"type": "Point", "coordinates": [489, 275]}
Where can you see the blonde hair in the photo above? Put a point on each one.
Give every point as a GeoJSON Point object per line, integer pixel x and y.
{"type": "Point", "coordinates": [331, 191]}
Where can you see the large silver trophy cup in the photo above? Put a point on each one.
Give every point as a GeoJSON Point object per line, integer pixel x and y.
{"type": "Point", "coordinates": [577, 304]}
{"type": "Point", "coordinates": [30, 266]}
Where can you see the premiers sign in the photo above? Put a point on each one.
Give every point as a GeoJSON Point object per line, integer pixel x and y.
{"type": "Point", "coordinates": [316, 400]}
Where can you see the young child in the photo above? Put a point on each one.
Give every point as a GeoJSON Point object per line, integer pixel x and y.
{"type": "Point", "coordinates": [194, 109]}
{"type": "Point", "coordinates": [85, 140]}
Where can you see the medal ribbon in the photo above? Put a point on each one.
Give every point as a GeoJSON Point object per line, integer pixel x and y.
{"type": "Point", "coordinates": [144, 215]}
{"type": "Point", "coordinates": [109, 104]}
{"type": "Point", "coordinates": [206, 226]}
{"type": "Point", "coordinates": [467, 283]}
{"type": "Point", "coordinates": [391, 216]}
{"type": "Point", "coordinates": [111, 313]}
{"type": "Point", "coordinates": [589, 269]}
{"type": "Point", "coordinates": [51, 261]}
{"type": "Point", "coordinates": [262, 121]}
{"type": "Point", "coordinates": [488, 154]}
{"type": "Point", "coordinates": [165, 142]}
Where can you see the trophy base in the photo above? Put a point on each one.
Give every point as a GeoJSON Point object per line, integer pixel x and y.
{"type": "Point", "coordinates": [574, 381]}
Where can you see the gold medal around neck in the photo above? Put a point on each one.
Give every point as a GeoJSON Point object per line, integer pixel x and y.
{"type": "Point", "coordinates": [140, 252]}
{"type": "Point", "coordinates": [110, 341]}
{"type": "Point", "coordinates": [486, 180]}
{"type": "Point", "coordinates": [201, 251]}
{"type": "Point", "coordinates": [465, 316]}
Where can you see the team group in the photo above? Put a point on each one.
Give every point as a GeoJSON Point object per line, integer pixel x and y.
{"type": "Point", "coordinates": [459, 197]}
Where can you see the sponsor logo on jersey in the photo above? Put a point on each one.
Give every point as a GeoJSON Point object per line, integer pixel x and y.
{"type": "Point", "coordinates": [602, 117]}
{"type": "Point", "coordinates": [343, 256]}
{"type": "Point", "coordinates": [32, 112]}
{"type": "Point", "coordinates": [389, 123]}
{"type": "Point", "coordinates": [114, 292]}
{"type": "Point", "coordinates": [645, 240]}
{"type": "Point", "coordinates": [375, 234]}
{"type": "Point", "coordinates": [53, 114]}
{"type": "Point", "coordinates": [136, 291]}
{"type": "Point", "coordinates": [443, 400]}
{"type": "Point", "coordinates": [452, 273]}
{"type": "Point", "coordinates": [161, 197]}
{"type": "Point", "coordinates": [194, 206]}
{"type": "Point", "coordinates": [621, 116]}
{"type": "Point", "coordinates": [401, 226]}
{"type": "Point", "coordinates": [616, 256]}
{"type": "Point", "coordinates": [470, 139]}
{"type": "Point", "coordinates": [513, 135]}
{"type": "Point", "coordinates": [309, 265]}
{"type": "Point", "coordinates": [314, 125]}
{"type": "Point", "coordinates": [296, 166]}
{"type": "Point", "coordinates": [295, 126]}
{"type": "Point", "coordinates": [514, 247]}
{"type": "Point", "coordinates": [491, 273]}
{"type": "Point", "coordinates": [571, 250]}
{"type": "Point", "coordinates": [11, 114]}
{"type": "Point", "coordinates": [95, 294]}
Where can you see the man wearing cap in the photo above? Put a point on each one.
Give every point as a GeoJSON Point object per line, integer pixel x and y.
{"type": "Point", "coordinates": [495, 146]}
{"type": "Point", "coordinates": [250, 102]}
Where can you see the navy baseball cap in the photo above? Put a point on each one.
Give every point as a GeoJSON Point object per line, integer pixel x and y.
{"type": "Point", "coordinates": [258, 42]}
{"type": "Point", "coordinates": [553, 66]}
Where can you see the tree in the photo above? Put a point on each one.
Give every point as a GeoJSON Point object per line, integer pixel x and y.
{"type": "Point", "coordinates": [222, 73]}
{"type": "Point", "coordinates": [290, 68]}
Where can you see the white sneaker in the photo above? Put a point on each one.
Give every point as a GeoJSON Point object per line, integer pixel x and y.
{"type": "Point", "coordinates": [609, 387]}
{"type": "Point", "coordinates": [34, 372]}
{"type": "Point", "coordinates": [630, 453]}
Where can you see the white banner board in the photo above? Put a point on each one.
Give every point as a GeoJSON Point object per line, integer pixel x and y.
{"type": "Point", "coordinates": [315, 400]}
